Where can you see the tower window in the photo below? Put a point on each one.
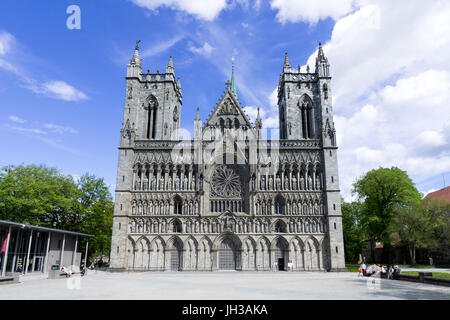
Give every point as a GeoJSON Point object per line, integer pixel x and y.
{"type": "Point", "coordinates": [120, 225]}
{"type": "Point", "coordinates": [117, 249]}
{"type": "Point", "coordinates": [332, 179]}
{"type": "Point", "coordinates": [334, 206]}
{"type": "Point", "coordinates": [336, 249]}
{"type": "Point", "coordinates": [331, 154]}
{"type": "Point", "coordinates": [335, 225]}
{"type": "Point", "coordinates": [120, 207]}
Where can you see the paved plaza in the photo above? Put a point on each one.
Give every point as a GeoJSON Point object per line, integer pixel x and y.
{"type": "Point", "coordinates": [219, 285]}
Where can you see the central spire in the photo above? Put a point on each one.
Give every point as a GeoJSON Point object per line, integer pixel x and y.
{"type": "Point", "coordinates": [233, 83]}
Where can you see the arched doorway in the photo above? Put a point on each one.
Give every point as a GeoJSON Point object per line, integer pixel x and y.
{"type": "Point", "coordinates": [227, 255]}
{"type": "Point", "coordinates": [280, 255]}
{"type": "Point", "coordinates": [175, 257]}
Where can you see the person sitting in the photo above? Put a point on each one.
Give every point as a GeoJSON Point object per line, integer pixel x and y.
{"type": "Point", "coordinates": [390, 272]}
{"type": "Point", "coordinates": [19, 269]}
{"type": "Point", "coordinates": [66, 271]}
{"type": "Point", "coordinates": [396, 272]}
{"type": "Point", "coordinates": [369, 271]}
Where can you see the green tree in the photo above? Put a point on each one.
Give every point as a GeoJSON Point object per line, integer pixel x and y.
{"type": "Point", "coordinates": [352, 229]}
{"type": "Point", "coordinates": [43, 196]}
{"type": "Point", "coordinates": [35, 194]}
{"type": "Point", "coordinates": [94, 213]}
{"type": "Point", "coordinates": [412, 225]}
{"type": "Point", "coordinates": [383, 192]}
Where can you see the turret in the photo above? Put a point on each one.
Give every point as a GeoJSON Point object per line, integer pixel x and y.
{"type": "Point", "coordinates": [258, 125]}
{"type": "Point", "coordinates": [287, 64]}
{"type": "Point", "coordinates": [134, 68]}
{"type": "Point", "coordinates": [197, 126]}
{"type": "Point", "coordinates": [322, 65]}
{"type": "Point", "coordinates": [170, 68]}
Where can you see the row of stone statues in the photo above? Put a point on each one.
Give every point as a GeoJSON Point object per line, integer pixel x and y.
{"type": "Point", "coordinates": [165, 207]}
{"type": "Point", "coordinates": [303, 184]}
{"type": "Point", "coordinates": [295, 208]}
{"type": "Point", "coordinates": [142, 182]}
{"type": "Point", "coordinates": [315, 225]}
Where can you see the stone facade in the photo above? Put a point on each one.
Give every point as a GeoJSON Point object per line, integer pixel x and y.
{"type": "Point", "coordinates": [227, 199]}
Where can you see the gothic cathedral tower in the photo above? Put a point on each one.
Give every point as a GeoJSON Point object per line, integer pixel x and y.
{"type": "Point", "coordinates": [306, 113]}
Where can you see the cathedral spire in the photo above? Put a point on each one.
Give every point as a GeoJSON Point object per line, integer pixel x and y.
{"type": "Point", "coordinates": [320, 54]}
{"type": "Point", "coordinates": [322, 65]}
{"type": "Point", "coordinates": [258, 121]}
{"type": "Point", "coordinates": [170, 68]}
{"type": "Point", "coordinates": [135, 60]}
{"type": "Point", "coordinates": [198, 114]}
{"type": "Point", "coordinates": [287, 64]}
{"type": "Point", "coordinates": [233, 83]}
{"type": "Point", "coordinates": [135, 66]}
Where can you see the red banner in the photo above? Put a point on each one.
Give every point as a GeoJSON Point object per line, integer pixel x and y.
{"type": "Point", "coordinates": [5, 240]}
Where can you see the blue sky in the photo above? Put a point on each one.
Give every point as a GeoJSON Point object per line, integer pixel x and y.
{"type": "Point", "coordinates": [62, 91]}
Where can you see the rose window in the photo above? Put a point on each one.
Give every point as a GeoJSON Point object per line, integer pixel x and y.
{"type": "Point", "coordinates": [225, 183]}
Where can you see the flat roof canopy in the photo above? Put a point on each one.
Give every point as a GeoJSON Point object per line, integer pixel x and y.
{"type": "Point", "coordinates": [31, 227]}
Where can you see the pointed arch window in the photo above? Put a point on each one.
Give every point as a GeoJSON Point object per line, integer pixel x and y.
{"type": "Point", "coordinates": [306, 109]}
{"type": "Point", "coordinates": [152, 107]}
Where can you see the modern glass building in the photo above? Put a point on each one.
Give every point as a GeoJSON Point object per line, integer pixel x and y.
{"type": "Point", "coordinates": [29, 248]}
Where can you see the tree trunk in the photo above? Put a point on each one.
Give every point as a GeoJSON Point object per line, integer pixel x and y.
{"type": "Point", "coordinates": [412, 253]}
{"type": "Point", "coordinates": [372, 250]}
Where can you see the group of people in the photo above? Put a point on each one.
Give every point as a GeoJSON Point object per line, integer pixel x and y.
{"type": "Point", "coordinates": [390, 271]}
{"type": "Point", "coordinates": [68, 272]}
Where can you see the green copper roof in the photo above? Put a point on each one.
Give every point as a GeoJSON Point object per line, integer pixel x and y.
{"type": "Point", "coordinates": [233, 83]}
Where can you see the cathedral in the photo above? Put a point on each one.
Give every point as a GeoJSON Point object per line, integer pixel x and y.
{"type": "Point", "coordinates": [228, 199]}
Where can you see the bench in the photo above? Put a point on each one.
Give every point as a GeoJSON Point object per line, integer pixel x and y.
{"type": "Point", "coordinates": [9, 279]}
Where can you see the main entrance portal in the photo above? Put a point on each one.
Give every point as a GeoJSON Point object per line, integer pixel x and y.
{"type": "Point", "coordinates": [175, 257]}
{"type": "Point", "coordinates": [227, 255]}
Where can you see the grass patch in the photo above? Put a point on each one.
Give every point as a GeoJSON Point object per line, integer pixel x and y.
{"type": "Point", "coordinates": [424, 266]}
{"type": "Point", "coordinates": [435, 274]}
{"type": "Point", "coordinates": [352, 268]}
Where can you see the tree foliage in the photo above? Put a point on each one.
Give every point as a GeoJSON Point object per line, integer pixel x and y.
{"type": "Point", "coordinates": [352, 229]}
{"type": "Point", "coordinates": [43, 196]}
{"type": "Point", "coordinates": [384, 191]}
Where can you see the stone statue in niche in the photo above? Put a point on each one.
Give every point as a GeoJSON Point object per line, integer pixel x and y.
{"type": "Point", "coordinates": [177, 183]}
{"type": "Point", "coordinates": [130, 92]}
{"type": "Point", "coordinates": [185, 183]}
{"type": "Point", "coordinates": [169, 183]}
{"type": "Point", "coordinates": [153, 183]}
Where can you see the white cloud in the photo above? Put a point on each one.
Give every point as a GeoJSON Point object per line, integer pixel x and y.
{"type": "Point", "coordinates": [203, 9]}
{"type": "Point", "coordinates": [59, 90]}
{"type": "Point", "coordinates": [54, 88]}
{"type": "Point", "coordinates": [252, 112]}
{"type": "Point", "coordinates": [6, 40]}
{"type": "Point", "coordinates": [16, 119]}
{"type": "Point", "coordinates": [311, 11]}
{"type": "Point", "coordinates": [59, 129]}
{"type": "Point", "coordinates": [205, 50]}
{"type": "Point", "coordinates": [26, 130]}
{"type": "Point", "coordinates": [391, 87]}
{"type": "Point", "coordinates": [160, 47]}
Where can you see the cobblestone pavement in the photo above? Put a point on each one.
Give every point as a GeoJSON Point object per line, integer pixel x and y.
{"type": "Point", "coordinates": [221, 285]}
